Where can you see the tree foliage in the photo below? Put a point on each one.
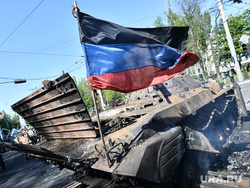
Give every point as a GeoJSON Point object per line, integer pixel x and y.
{"type": "Point", "coordinates": [114, 98]}
{"type": "Point", "coordinates": [202, 34]}
{"type": "Point", "coordinates": [10, 122]}
{"type": "Point", "coordinates": [159, 22]}
{"type": "Point", "coordinates": [174, 19]}
{"type": "Point", "coordinates": [84, 89]}
{"type": "Point", "coordinates": [111, 98]}
{"type": "Point", "coordinates": [199, 26]}
{"type": "Point", "coordinates": [238, 25]}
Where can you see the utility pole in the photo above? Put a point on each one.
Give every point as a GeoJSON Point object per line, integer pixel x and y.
{"type": "Point", "coordinates": [230, 42]}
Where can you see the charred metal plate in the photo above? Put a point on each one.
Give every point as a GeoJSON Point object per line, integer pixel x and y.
{"type": "Point", "coordinates": [197, 141]}
{"type": "Point", "coordinates": [36, 151]}
{"type": "Point", "coordinates": [57, 111]}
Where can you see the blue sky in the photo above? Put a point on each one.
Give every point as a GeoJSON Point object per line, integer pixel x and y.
{"type": "Point", "coordinates": [47, 42]}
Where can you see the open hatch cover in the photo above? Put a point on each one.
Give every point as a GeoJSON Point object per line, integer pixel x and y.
{"type": "Point", "coordinates": [57, 111]}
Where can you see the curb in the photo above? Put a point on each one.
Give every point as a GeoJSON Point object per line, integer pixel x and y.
{"type": "Point", "coordinates": [244, 82]}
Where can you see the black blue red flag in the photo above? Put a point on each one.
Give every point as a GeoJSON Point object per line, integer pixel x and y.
{"type": "Point", "coordinates": [129, 59]}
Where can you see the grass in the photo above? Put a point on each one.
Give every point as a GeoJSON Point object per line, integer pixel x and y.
{"type": "Point", "coordinates": [246, 76]}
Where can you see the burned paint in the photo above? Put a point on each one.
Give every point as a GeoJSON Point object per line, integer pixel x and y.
{"type": "Point", "coordinates": [141, 136]}
{"type": "Point", "coordinates": [57, 111]}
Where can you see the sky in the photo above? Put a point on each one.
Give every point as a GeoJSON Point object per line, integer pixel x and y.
{"type": "Point", "coordinates": [40, 39]}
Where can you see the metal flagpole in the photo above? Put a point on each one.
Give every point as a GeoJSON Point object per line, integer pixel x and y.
{"type": "Point", "coordinates": [94, 92]}
{"type": "Point", "coordinates": [99, 127]}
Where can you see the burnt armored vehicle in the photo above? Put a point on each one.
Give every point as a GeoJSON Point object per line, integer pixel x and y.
{"type": "Point", "coordinates": [147, 138]}
{"type": "Point", "coordinates": [151, 136]}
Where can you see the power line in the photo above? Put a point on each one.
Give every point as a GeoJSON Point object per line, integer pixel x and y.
{"type": "Point", "coordinates": [77, 66]}
{"type": "Point", "coordinates": [19, 81]}
{"type": "Point", "coordinates": [21, 23]}
{"type": "Point", "coordinates": [225, 4]}
{"type": "Point", "coordinates": [55, 75]}
{"type": "Point", "coordinates": [72, 66]}
{"type": "Point", "coordinates": [43, 78]}
{"type": "Point", "coordinates": [76, 69]}
{"type": "Point", "coordinates": [238, 12]}
{"type": "Point", "coordinates": [38, 48]}
{"type": "Point", "coordinates": [231, 5]}
{"type": "Point", "coordinates": [8, 78]}
{"type": "Point", "coordinates": [36, 53]}
{"type": "Point", "coordinates": [41, 47]}
{"type": "Point", "coordinates": [143, 19]}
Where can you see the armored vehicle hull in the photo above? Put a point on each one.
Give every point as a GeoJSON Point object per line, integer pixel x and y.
{"type": "Point", "coordinates": [147, 138]}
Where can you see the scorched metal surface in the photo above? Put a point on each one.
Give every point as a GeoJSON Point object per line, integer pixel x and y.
{"type": "Point", "coordinates": [145, 138]}
{"type": "Point", "coordinates": [57, 111]}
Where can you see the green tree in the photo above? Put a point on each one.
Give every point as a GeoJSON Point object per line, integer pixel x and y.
{"type": "Point", "coordinates": [16, 121]}
{"type": "Point", "coordinates": [113, 97]}
{"type": "Point", "coordinates": [110, 97]}
{"type": "Point", "coordinates": [200, 30]}
{"type": "Point", "coordinates": [159, 22]}
{"type": "Point", "coordinates": [205, 22]}
{"type": "Point", "coordinates": [197, 21]}
{"type": "Point", "coordinates": [238, 25]}
{"type": "Point", "coordinates": [84, 89]}
{"type": "Point", "coordinates": [10, 122]}
{"type": "Point", "coordinates": [173, 19]}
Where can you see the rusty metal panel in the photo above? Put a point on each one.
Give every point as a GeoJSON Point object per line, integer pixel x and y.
{"type": "Point", "coordinates": [57, 110]}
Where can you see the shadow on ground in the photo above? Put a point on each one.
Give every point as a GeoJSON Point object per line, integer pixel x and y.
{"type": "Point", "coordinates": [30, 173]}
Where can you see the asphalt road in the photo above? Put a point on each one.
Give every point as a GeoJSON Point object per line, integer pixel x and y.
{"type": "Point", "coordinates": [33, 173]}
{"type": "Point", "coordinates": [245, 89]}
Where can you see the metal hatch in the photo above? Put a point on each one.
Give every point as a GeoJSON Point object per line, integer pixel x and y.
{"type": "Point", "coordinates": [57, 111]}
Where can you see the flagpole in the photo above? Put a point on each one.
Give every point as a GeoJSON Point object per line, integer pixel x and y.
{"type": "Point", "coordinates": [94, 92]}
